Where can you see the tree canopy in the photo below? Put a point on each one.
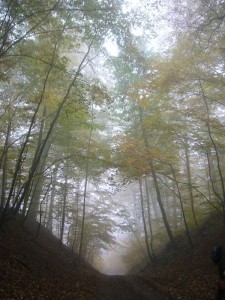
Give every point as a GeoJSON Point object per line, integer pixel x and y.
{"type": "Point", "coordinates": [79, 124]}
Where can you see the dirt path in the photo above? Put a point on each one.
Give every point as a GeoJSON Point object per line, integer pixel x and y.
{"type": "Point", "coordinates": [125, 288]}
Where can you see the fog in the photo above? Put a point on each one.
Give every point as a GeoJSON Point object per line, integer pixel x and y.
{"type": "Point", "coordinates": [113, 263]}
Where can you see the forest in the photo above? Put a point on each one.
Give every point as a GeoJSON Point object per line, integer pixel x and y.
{"type": "Point", "coordinates": [112, 121]}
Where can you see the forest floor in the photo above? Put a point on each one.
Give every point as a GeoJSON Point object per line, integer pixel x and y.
{"type": "Point", "coordinates": [41, 268]}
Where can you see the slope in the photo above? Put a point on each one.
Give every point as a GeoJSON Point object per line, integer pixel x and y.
{"type": "Point", "coordinates": [41, 268]}
{"type": "Point", "coordinates": [189, 273]}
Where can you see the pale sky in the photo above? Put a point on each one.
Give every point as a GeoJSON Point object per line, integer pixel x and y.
{"type": "Point", "coordinates": [158, 43]}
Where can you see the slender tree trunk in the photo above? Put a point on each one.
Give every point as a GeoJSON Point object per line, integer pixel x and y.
{"type": "Point", "coordinates": [46, 208]}
{"type": "Point", "coordinates": [213, 178]}
{"type": "Point", "coordinates": [22, 196]}
{"type": "Point", "coordinates": [41, 213]}
{"type": "Point", "coordinates": [64, 202]}
{"type": "Point", "coordinates": [76, 221]}
{"type": "Point", "coordinates": [190, 183]}
{"type": "Point", "coordinates": [149, 217]}
{"type": "Point", "coordinates": [39, 174]}
{"type": "Point", "coordinates": [144, 222]}
{"type": "Point", "coordinates": [49, 221]}
{"type": "Point", "coordinates": [40, 151]}
{"type": "Point", "coordinates": [174, 214]}
{"type": "Point", "coordinates": [139, 242]}
{"type": "Point", "coordinates": [218, 161]}
{"type": "Point", "coordinates": [156, 184]}
{"type": "Point", "coordinates": [182, 209]}
{"type": "Point", "coordinates": [165, 220]}
{"type": "Point", "coordinates": [4, 164]}
{"type": "Point", "coordinates": [85, 186]}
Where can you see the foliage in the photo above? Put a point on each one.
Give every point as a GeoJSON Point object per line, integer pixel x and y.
{"type": "Point", "coordinates": [66, 138]}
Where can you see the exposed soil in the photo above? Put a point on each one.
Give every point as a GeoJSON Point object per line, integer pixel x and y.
{"type": "Point", "coordinates": [41, 268]}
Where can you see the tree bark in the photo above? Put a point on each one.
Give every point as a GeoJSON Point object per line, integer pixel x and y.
{"type": "Point", "coordinates": [156, 184]}
{"type": "Point", "coordinates": [4, 162]}
{"type": "Point", "coordinates": [49, 222]}
{"type": "Point", "coordinates": [85, 187]}
{"type": "Point", "coordinates": [144, 222]}
{"type": "Point", "coordinates": [64, 202]}
{"type": "Point", "coordinates": [149, 217]}
{"type": "Point", "coordinates": [182, 209]}
{"type": "Point", "coordinates": [190, 184]}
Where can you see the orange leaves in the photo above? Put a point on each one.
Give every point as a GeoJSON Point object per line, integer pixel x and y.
{"type": "Point", "coordinates": [132, 156]}
{"type": "Point", "coordinates": [135, 158]}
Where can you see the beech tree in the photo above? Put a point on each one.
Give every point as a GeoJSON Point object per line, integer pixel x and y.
{"type": "Point", "coordinates": [46, 54]}
{"type": "Point", "coordinates": [184, 84]}
{"type": "Point", "coordinates": [31, 34]}
{"type": "Point", "coordinates": [160, 125]}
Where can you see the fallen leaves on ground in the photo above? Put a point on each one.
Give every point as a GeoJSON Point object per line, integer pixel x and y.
{"type": "Point", "coordinates": [42, 268]}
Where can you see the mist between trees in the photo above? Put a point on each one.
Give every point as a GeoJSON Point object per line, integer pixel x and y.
{"type": "Point", "coordinates": [78, 126]}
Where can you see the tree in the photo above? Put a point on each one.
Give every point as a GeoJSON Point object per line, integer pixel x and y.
{"type": "Point", "coordinates": [32, 34]}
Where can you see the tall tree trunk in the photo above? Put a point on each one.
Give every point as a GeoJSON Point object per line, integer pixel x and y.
{"type": "Point", "coordinates": [144, 222]}
{"type": "Point", "coordinates": [174, 213]}
{"type": "Point", "coordinates": [218, 161]}
{"type": "Point", "coordinates": [24, 192]}
{"type": "Point", "coordinates": [213, 178]}
{"type": "Point", "coordinates": [156, 184]}
{"type": "Point", "coordinates": [139, 242]}
{"type": "Point", "coordinates": [4, 162]}
{"type": "Point", "coordinates": [159, 199]}
{"type": "Point", "coordinates": [76, 222]}
{"type": "Point", "coordinates": [49, 221]}
{"type": "Point", "coordinates": [41, 213]}
{"type": "Point", "coordinates": [190, 183]}
{"type": "Point", "coordinates": [149, 217]}
{"type": "Point", "coordinates": [182, 208]}
{"type": "Point", "coordinates": [38, 180]}
{"type": "Point", "coordinates": [64, 202]}
{"type": "Point", "coordinates": [85, 185]}
{"type": "Point", "coordinates": [39, 153]}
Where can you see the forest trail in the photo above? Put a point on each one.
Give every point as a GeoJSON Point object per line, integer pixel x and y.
{"type": "Point", "coordinates": [130, 287]}
{"type": "Point", "coordinates": [42, 268]}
